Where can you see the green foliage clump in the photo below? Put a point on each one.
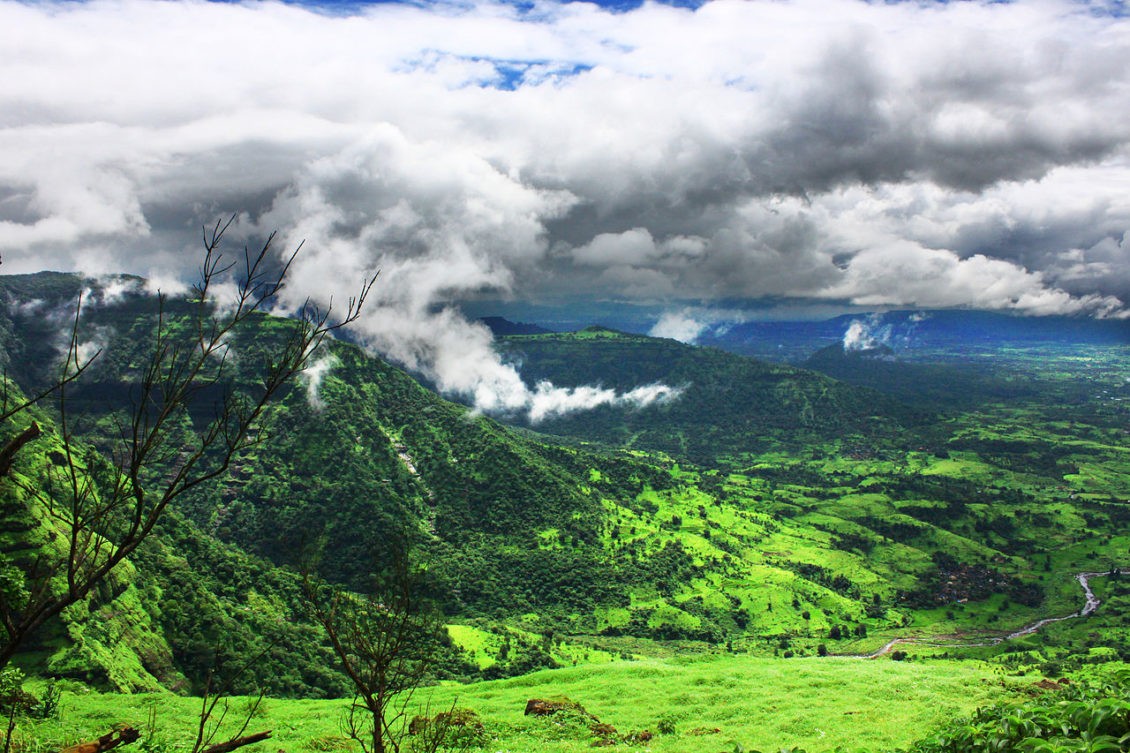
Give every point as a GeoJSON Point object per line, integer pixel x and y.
{"type": "Point", "coordinates": [1084, 717]}
{"type": "Point", "coordinates": [16, 701]}
{"type": "Point", "coordinates": [458, 728]}
{"type": "Point", "coordinates": [666, 725]}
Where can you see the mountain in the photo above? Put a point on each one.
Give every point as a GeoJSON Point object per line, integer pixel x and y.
{"type": "Point", "coordinates": [185, 604]}
{"type": "Point", "coordinates": [728, 405]}
{"type": "Point", "coordinates": [500, 327]}
{"type": "Point", "coordinates": [373, 455]}
{"type": "Point", "coordinates": [766, 508]}
{"type": "Point", "coordinates": [941, 387]}
{"type": "Point", "coordinates": [516, 528]}
{"type": "Point", "coordinates": [954, 327]}
{"type": "Point", "coordinates": [954, 333]}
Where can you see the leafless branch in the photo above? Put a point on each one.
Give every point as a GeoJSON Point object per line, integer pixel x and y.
{"type": "Point", "coordinates": [73, 368]}
{"type": "Point", "coordinates": [104, 523]}
{"type": "Point", "coordinates": [237, 742]}
{"type": "Point", "coordinates": [382, 641]}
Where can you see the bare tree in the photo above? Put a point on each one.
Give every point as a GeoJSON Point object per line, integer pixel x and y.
{"type": "Point", "coordinates": [385, 641]}
{"type": "Point", "coordinates": [105, 513]}
{"type": "Point", "coordinates": [214, 706]}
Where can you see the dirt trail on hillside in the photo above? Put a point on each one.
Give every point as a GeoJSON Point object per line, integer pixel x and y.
{"type": "Point", "coordinates": [1090, 605]}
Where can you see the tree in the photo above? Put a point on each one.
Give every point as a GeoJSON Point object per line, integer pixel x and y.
{"type": "Point", "coordinates": [214, 712]}
{"type": "Point", "coordinates": [103, 507]}
{"type": "Point", "coordinates": [385, 641]}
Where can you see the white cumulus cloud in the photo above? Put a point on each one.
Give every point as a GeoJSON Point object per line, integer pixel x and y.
{"type": "Point", "coordinates": [972, 154]}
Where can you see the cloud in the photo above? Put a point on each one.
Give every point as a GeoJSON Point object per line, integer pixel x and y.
{"type": "Point", "coordinates": [938, 278]}
{"type": "Point", "coordinates": [113, 289]}
{"type": "Point", "coordinates": [867, 333]}
{"type": "Point", "coordinates": [679, 325]}
{"type": "Point", "coordinates": [93, 345]}
{"type": "Point", "coordinates": [969, 154]}
{"type": "Point", "coordinates": [880, 330]}
{"type": "Point", "coordinates": [548, 401]}
{"type": "Point", "coordinates": [314, 375]}
{"type": "Point", "coordinates": [438, 222]}
{"type": "Point", "coordinates": [633, 247]}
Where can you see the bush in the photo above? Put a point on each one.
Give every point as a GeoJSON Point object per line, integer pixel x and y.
{"type": "Point", "coordinates": [1092, 716]}
{"type": "Point", "coordinates": [15, 701]}
{"type": "Point", "coordinates": [459, 728]}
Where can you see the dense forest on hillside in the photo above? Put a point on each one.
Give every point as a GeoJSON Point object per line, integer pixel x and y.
{"type": "Point", "coordinates": [730, 406]}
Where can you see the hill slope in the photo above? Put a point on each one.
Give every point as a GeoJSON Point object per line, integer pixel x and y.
{"type": "Point", "coordinates": [822, 513]}
{"type": "Point", "coordinates": [557, 538]}
{"type": "Point", "coordinates": [729, 406]}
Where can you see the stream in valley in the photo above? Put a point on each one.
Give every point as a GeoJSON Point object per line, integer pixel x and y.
{"type": "Point", "coordinates": [1091, 603]}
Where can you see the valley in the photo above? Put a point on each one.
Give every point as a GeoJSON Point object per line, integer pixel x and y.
{"type": "Point", "coordinates": [707, 565]}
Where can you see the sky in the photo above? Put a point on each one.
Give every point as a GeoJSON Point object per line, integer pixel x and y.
{"type": "Point", "coordinates": [834, 152]}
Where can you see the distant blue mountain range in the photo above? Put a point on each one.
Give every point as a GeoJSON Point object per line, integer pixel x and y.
{"type": "Point", "coordinates": [900, 331]}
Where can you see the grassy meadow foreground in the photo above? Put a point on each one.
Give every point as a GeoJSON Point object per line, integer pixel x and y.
{"type": "Point", "coordinates": [714, 702]}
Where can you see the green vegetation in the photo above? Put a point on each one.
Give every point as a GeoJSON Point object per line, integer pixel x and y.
{"type": "Point", "coordinates": [714, 702]}
{"type": "Point", "coordinates": [1092, 715]}
{"type": "Point", "coordinates": [707, 564]}
{"type": "Point", "coordinates": [730, 405]}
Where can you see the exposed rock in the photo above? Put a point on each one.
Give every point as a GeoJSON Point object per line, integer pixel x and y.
{"type": "Point", "coordinates": [550, 706]}
{"type": "Point", "coordinates": [606, 732]}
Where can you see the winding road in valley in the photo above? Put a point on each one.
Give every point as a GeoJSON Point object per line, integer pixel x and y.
{"type": "Point", "coordinates": [1092, 603]}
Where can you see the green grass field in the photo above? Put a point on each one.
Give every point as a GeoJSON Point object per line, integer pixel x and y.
{"type": "Point", "coordinates": [755, 703]}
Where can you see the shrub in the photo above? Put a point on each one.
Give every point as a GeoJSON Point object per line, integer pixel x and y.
{"type": "Point", "coordinates": [1092, 716]}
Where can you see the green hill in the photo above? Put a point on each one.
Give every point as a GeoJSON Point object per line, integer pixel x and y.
{"type": "Point", "coordinates": [943, 387]}
{"type": "Point", "coordinates": [545, 538]}
{"type": "Point", "coordinates": [729, 406]}
{"type": "Point", "coordinates": [819, 516]}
